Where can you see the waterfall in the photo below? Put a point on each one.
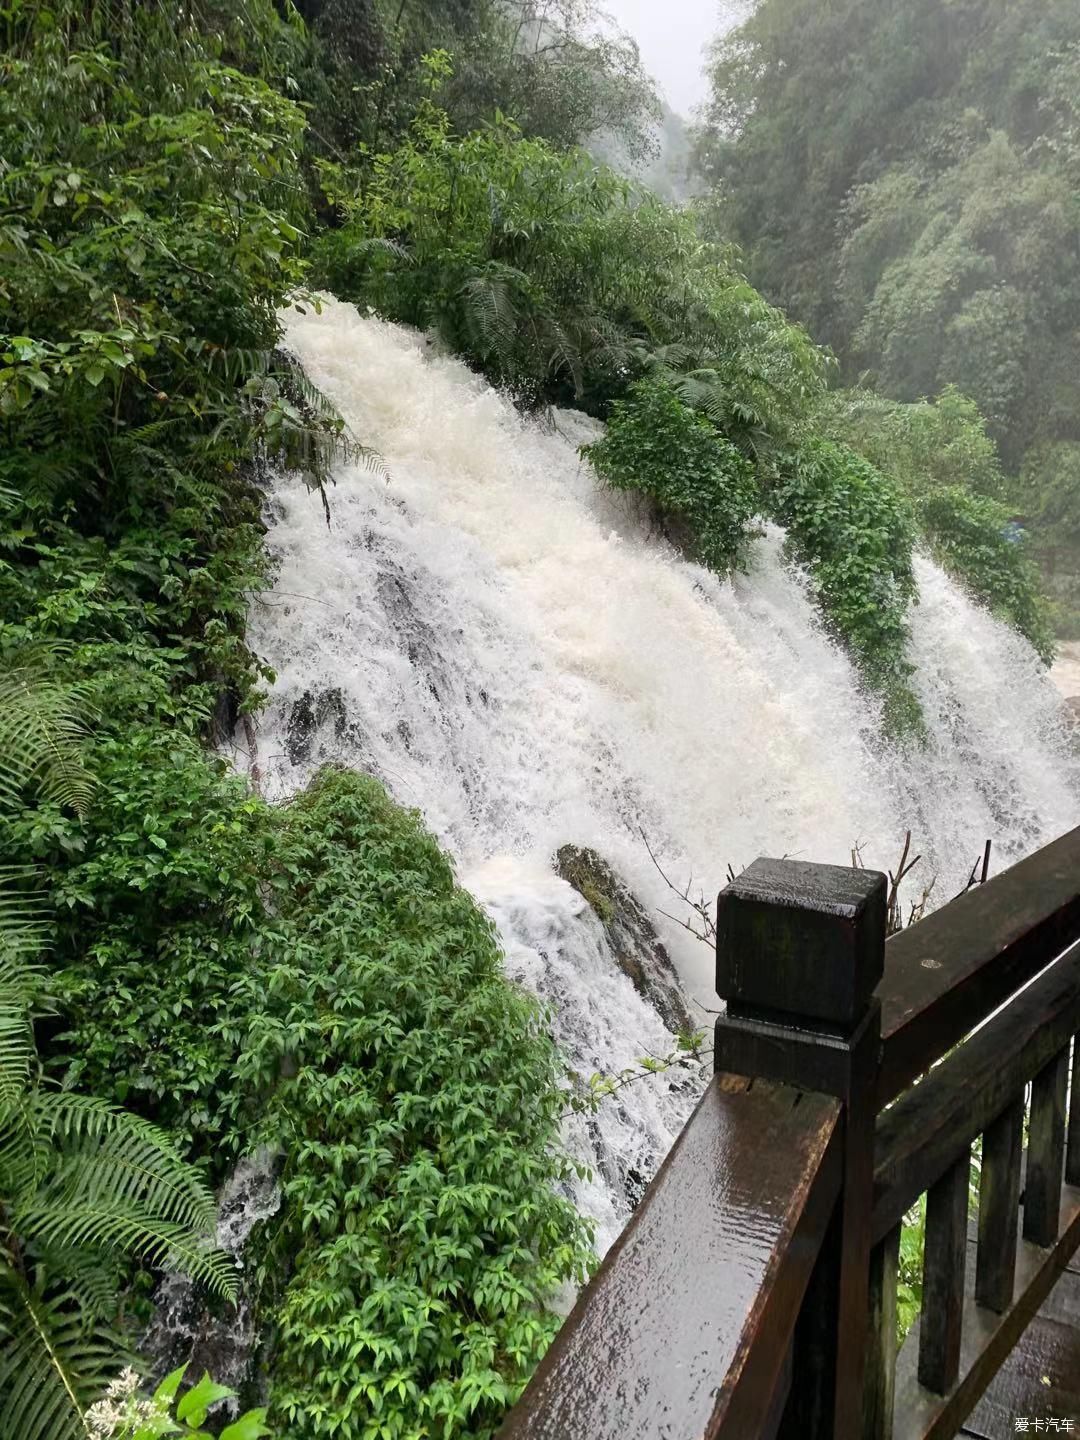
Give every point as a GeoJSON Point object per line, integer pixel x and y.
{"type": "Point", "coordinates": [511, 651]}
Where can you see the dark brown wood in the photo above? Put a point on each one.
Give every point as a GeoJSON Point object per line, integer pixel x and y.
{"type": "Point", "coordinates": [944, 1260]}
{"type": "Point", "coordinates": [954, 968]}
{"type": "Point", "coordinates": [806, 1059]}
{"type": "Point", "coordinates": [880, 1382]}
{"type": "Point", "coordinates": [1072, 1148]}
{"type": "Point", "coordinates": [685, 1329]}
{"type": "Point", "coordinates": [919, 1136]}
{"type": "Point", "coordinates": [987, 1338]}
{"type": "Point", "coordinates": [999, 1208]}
{"type": "Point", "coordinates": [801, 939]}
{"type": "Point", "coordinates": [830, 1340]}
{"type": "Point", "coordinates": [799, 950]}
{"type": "Point", "coordinates": [1046, 1152]}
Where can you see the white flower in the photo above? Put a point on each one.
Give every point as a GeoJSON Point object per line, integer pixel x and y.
{"type": "Point", "coordinates": [121, 1411]}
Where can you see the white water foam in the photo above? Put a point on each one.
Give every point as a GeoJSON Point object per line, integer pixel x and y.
{"type": "Point", "coordinates": [508, 648]}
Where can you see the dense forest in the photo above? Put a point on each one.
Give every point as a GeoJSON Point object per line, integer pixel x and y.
{"type": "Point", "coordinates": [189, 974]}
{"type": "Point", "coordinates": [903, 180]}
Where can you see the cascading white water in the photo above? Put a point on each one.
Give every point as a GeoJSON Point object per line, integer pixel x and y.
{"type": "Point", "coordinates": [507, 647]}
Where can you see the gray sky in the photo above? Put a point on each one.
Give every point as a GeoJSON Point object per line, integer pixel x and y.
{"type": "Point", "coordinates": [672, 35]}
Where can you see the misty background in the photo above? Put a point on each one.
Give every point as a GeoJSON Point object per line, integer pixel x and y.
{"type": "Point", "coordinates": [673, 37]}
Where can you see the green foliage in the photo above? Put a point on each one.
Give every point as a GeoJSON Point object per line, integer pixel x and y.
{"type": "Point", "coordinates": [922, 446]}
{"type": "Point", "coordinates": [969, 534]}
{"type": "Point", "coordinates": [658, 446]}
{"type": "Point", "coordinates": [939, 453]}
{"type": "Point", "coordinates": [854, 532]}
{"type": "Point", "coordinates": [42, 726]}
{"type": "Point", "coordinates": [909, 1280]}
{"type": "Point", "coordinates": [566, 74]}
{"type": "Point", "coordinates": [84, 1187]}
{"type": "Point", "coordinates": [557, 277]}
{"type": "Point", "coordinates": [420, 1133]}
{"type": "Point", "coordinates": [950, 157]}
{"type": "Point", "coordinates": [337, 995]}
{"type": "Point", "coordinates": [122, 1414]}
{"type": "Point", "coordinates": [1048, 494]}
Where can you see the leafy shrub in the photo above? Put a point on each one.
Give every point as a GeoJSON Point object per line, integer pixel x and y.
{"type": "Point", "coordinates": [969, 535]}
{"type": "Point", "coordinates": [311, 977]}
{"type": "Point", "coordinates": [420, 1134]}
{"type": "Point", "coordinates": [940, 455]}
{"type": "Point", "coordinates": [656, 445]}
{"type": "Point", "coordinates": [922, 446]}
{"type": "Point", "coordinates": [555, 275]}
{"type": "Point", "coordinates": [852, 529]}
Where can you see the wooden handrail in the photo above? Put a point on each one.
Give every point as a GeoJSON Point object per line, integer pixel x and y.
{"type": "Point", "coordinates": [754, 1291]}
{"type": "Point", "coordinates": [918, 1138]}
{"type": "Point", "coordinates": [667, 1339]}
{"type": "Point", "coordinates": [949, 972]}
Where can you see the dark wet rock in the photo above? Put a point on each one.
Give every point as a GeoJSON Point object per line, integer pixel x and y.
{"type": "Point", "coordinates": [226, 715]}
{"type": "Point", "coordinates": [308, 716]}
{"type": "Point", "coordinates": [215, 1336]}
{"type": "Point", "coordinates": [638, 949]}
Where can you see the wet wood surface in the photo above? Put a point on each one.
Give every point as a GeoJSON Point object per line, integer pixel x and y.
{"type": "Point", "coordinates": [944, 1272]}
{"type": "Point", "coordinates": [797, 938]}
{"type": "Point", "coordinates": [918, 1137]}
{"type": "Point", "coordinates": [987, 1338]}
{"type": "Point", "coordinates": [1046, 1152]}
{"type": "Point", "coordinates": [954, 968]}
{"type": "Point", "coordinates": [687, 1324]}
{"type": "Point", "coordinates": [999, 1208]}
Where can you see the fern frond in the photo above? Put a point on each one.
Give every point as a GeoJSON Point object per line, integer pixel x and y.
{"type": "Point", "coordinates": [492, 310]}
{"type": "Point", "coordinates": [24, 917]}
{"type": "Point", "coordinates": [383, 245]}
{"type": "Point", "coordinates": [157, 1243]}
{"type": "Point", "coordinates": [112, 1155]}
{"type": "Point", "coordinates": [52, 1364]}
{"type": "Point", "coordinates": [16, 1056]}
{"type": "Point", "coordinates": [42, 726]}
{"type": "Point", "coordinates": [92, 1279]}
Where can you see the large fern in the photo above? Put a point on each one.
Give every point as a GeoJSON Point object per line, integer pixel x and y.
{"type": "Point", "coordinates": [42, 726]}
{"type": "Point", "coordinates": [84, 1188]}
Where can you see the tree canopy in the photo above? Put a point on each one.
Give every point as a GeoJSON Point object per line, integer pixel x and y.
{"type": "Point", "coordinates": [904, 180]}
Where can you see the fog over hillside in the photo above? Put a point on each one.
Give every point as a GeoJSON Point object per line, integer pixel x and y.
{"type": "Point", "coordinates": [673, 38]}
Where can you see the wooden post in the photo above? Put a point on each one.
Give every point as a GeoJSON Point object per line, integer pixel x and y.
{"type": "Point", "coordinates": [999, 1208]}
{"type": "Point", "coordinates": [800, 949]}
{"type": "Point", "coordinates": [943, 1278]}
{"type": "Point", "coordinates": [1046, 1152]}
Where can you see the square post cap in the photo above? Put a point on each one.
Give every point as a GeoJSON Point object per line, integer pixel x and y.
{"type": "Point", "coordinates": [802, 940]}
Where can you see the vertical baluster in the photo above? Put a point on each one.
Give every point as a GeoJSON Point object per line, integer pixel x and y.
{"type": "Point", "coordinates": [999, 1208]}
{"type": "Point", "coordinates": [1072, 1150]}
{"type": "Point", "coordinates": [880, 1380]}
{"type": "Point", "coordinates": [943, 1278]}
{"type": "Point", "coordinates": [1046, 1152]}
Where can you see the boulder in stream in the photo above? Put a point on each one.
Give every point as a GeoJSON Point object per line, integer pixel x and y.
{"type": "Point", "coordinates": [638, 949]}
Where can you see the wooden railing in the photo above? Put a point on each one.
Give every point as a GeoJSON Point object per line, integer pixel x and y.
{"type": "Point", "coordinates": [754, 1291]}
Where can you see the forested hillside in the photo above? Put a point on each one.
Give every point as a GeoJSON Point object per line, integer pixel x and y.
{"type": "Point", "coordinates": [904, 180]}
{"type": "Point", "coordinates": [190, 974]}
